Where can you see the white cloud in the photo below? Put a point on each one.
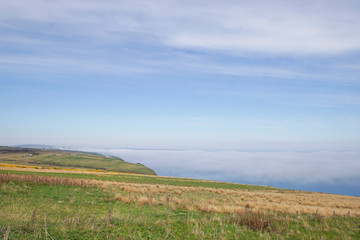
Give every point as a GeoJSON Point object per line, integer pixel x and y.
{"type": "Point", "coordinates": [118, 37]}
{"type": "Point", "coordinates": [280, 27]}
{"type": "Point", "coordinates": [66, 64]}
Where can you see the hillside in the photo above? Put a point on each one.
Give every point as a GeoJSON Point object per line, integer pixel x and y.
{"type": "Point", "coordinates": [58, 205]}
{"type": "Point", "coordinates": [69, 159]}
{"type": "Point", "coordinates": [57, 194]}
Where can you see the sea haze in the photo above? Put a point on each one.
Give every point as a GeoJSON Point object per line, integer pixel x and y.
{"type": "Point", "coordinates": [320, 171]}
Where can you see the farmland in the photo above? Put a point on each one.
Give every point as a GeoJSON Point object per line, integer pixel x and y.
{"type": "Point", "coordinates": [73, 195]}
{"type": "Point", "coordinates": [82, 205]}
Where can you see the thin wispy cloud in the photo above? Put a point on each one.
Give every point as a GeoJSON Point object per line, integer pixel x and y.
{"type": "Point", "coordinates": [74, 65]}
{"type": "Point", "coordinates": [243, 29]}
{"type": "Point", "coordinates": [280, 27]}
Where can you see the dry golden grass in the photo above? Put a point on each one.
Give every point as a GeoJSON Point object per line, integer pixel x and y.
{"type": "Point", "coordinates": [212, 200]}
{"type": "Point", "coordinates": [52, 169]}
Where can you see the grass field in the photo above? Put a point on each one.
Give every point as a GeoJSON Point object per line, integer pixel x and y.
{"type": "Point", "coordinates": [61, 205]}
{"type": "Point", "coordinates": [58, 158]}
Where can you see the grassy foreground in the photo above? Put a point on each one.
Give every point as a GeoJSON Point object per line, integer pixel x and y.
{"type": "Point", "coordinates": [58, 158]}
{"type": "Point", "coordinates": [36, 205]}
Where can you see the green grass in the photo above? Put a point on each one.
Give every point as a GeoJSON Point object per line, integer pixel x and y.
{"type": "Point", "coordinates": [64, 210]}
{"type": "Point", "coordinates": [70, 159]}
{"type": "Point", "coordinates": [150, 180]}
{"type": "Point", "coordinates": [71, 212]}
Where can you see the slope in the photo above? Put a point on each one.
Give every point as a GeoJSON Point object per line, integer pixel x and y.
{"type": "Point", "coordinates": [60, 158]}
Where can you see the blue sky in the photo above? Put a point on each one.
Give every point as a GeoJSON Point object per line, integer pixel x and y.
{"type": "Point", "coordinates": [181, 74]}
{"type": "Point", "coordinates": [259, 92]}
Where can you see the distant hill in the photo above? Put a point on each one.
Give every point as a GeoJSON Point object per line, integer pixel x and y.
{"type": "Point", "coordinates": [39, 146]}
{"type": "Point", "coordinates": [41, 155]}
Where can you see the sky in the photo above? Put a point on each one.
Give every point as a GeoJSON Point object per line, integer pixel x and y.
{"type": "Point", "coordinates": [279, 76]}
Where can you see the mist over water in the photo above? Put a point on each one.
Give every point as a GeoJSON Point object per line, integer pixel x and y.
{"type": "Point", "coordinates": [320, 171]}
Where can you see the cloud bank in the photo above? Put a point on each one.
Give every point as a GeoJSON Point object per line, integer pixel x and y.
{"type": "Point", "coordinates": [280, 168]}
